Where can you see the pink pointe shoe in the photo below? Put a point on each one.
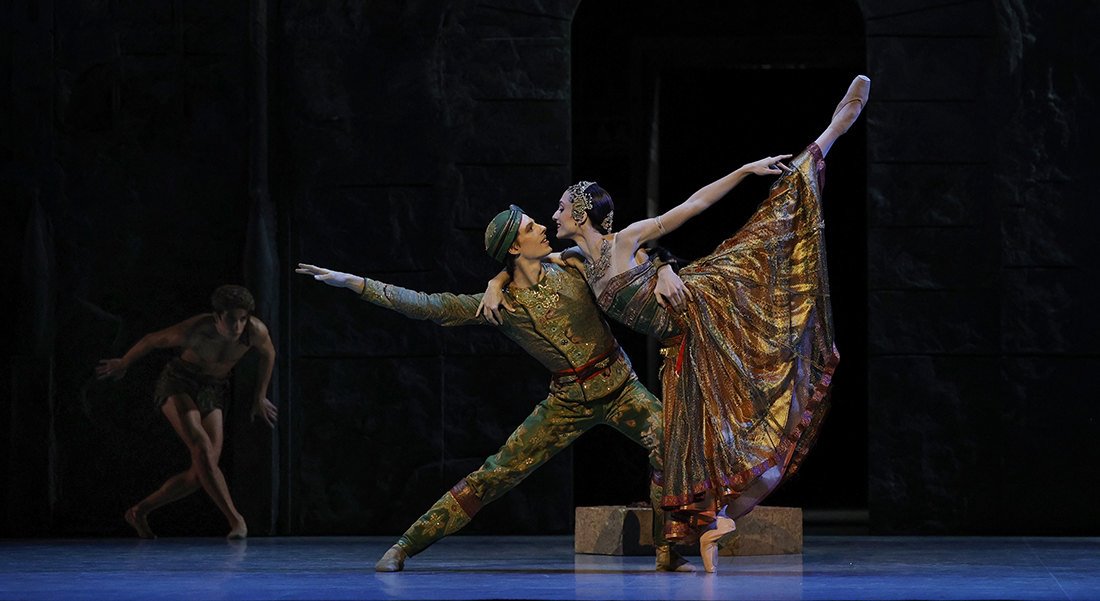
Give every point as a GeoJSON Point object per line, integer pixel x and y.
{"type": "Point", "coordinates": [852, 104]}
{"type": "Point", "coordinates": [708, 542]}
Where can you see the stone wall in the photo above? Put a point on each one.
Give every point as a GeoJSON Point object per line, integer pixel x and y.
{"type": "Point", "coordinates": [151, 152]}
{"type": "Point", "coordinates": [979, 267]}
{"type": "Point", "coordinates": [404, 128]}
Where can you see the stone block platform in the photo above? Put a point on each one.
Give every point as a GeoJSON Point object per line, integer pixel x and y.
{"type": "Point", "coordinates": [619, 530]}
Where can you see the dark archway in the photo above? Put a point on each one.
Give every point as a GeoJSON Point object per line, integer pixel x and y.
{"type": "Point", "coordinates": [670, 97]}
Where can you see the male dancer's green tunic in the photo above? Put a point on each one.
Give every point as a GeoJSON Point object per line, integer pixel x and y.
{"type": "Point", "coordinates": [558, 323]}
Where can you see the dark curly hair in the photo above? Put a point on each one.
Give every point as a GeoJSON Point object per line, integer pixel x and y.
{"type": "Point", "coordinates": [229, 297]}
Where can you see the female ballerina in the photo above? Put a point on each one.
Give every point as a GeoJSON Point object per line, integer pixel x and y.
{"type": "Point", "coordinates": [749, 357]}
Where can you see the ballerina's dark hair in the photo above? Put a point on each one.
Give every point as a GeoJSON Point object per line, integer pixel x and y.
{"type": "Point", "coordinates": [593, 200]}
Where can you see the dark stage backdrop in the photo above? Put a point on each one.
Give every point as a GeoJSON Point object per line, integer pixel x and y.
{"type": "Point", "coordinates": [151, 152]}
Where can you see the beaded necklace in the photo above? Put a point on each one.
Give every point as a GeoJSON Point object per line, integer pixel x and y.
{"type": "Point", "coordinates": [598, 268]}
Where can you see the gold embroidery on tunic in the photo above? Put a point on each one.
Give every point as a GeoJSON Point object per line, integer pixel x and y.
{"type": "Point", "coordinates": [543, 296]}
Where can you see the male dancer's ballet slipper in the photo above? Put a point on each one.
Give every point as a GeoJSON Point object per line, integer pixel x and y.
{"type": "Point", "coordinates": [859, 91]}
{"type": "Point", "coordinates": [392, 561]}
{"type": "Point", "coordinates": [708, 542]}
{"type": "Point", "coordinates": [671, 561]}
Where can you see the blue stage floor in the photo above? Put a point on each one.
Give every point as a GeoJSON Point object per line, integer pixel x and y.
{"type": "Point", "coordinates": [544, 568]}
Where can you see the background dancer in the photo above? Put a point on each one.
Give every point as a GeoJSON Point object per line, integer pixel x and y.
{"type": "Point", "coordinates": [192, 393]}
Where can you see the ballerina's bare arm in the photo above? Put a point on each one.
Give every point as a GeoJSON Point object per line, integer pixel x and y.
{"type": "Point", "coordinates": [645, 230]}
{"type": "Point", "coordinates": [493, 299]}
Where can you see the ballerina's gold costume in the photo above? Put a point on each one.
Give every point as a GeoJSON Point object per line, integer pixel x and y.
{"type": "Point", "coordinates": [748, 363]}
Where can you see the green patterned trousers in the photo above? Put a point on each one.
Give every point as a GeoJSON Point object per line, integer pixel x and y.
{"type": "Point", "coordinates": [553, 425]}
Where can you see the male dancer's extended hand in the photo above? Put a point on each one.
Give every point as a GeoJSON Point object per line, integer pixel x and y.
{"type": "Point", "coordinates": [337, 279]}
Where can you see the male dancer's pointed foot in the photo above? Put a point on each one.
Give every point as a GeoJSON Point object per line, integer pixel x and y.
{"type": "Point", "coordinates": [669, 560]}
{"type": "Point", "coordinates": [851, 105]}
{"type": "Point", "coordinates": [138, 522]}
{"type": "Point", "coordinates": [708, 542]}
{"type": "Point", "coordinates": [392, 561]}
{"type": "Point", "coordinates": [238, 530]}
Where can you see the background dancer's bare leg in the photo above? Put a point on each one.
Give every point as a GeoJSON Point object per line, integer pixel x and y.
{"type": "Point", "coordinates": [204, 440]}
{"type": "Point", "coordinates": [173, 489]}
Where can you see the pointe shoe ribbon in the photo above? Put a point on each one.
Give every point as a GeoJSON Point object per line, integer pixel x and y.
{"type": "Point", "coordinates": [708, 542]}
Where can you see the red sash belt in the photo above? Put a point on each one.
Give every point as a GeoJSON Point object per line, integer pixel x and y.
{"type": "Point", "coordinates": [590, 369]}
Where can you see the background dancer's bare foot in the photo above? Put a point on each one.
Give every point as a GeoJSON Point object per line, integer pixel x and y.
{"type": "Point", "coordinates": [138, 522]}
{"type": "Point", "coordinates": [238, 531]}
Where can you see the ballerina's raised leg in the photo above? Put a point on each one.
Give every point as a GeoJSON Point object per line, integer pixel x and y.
{"type": "Point", "coordinates": [846, 113]}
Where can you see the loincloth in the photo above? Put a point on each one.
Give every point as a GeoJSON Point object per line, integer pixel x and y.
{"type": "Point", "coordinates": [180, 377]}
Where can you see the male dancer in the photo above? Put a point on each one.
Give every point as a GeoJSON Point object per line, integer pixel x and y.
{"type": "Point", "coordinates": [559, 324]}
{"type": "Point", "coordinates": [192, 392]}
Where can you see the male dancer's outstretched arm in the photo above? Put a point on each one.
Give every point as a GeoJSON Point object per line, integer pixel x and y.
{"type": "Point", "coordinates": [443, 308]}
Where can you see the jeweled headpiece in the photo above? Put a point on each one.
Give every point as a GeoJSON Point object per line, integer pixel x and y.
{"type": "Point", "coordinates": [581, 199]}
{"type": "Point", "coordinates": [608, 221]}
